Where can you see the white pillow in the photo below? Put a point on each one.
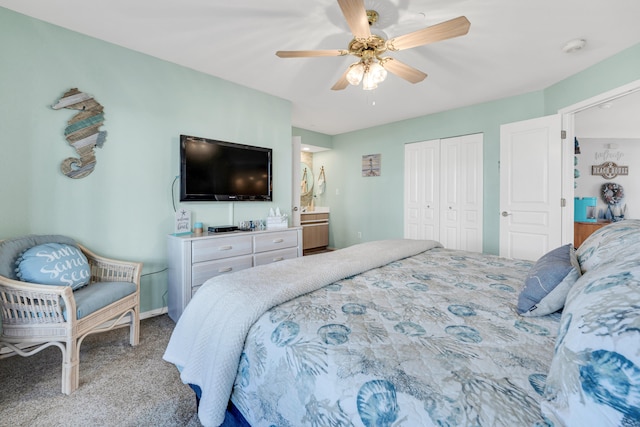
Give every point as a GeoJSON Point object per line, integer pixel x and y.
{"type": "Point", "coordinates": [594, 379]}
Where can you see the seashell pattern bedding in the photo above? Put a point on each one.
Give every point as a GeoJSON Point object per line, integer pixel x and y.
{"type": "Point", "coordinates": [433, 339]}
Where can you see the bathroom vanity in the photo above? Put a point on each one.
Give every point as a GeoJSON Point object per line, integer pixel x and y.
{"type": "Point", "coordinates": [315, 230]}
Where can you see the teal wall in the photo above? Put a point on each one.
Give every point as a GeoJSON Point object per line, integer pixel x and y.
{"type": "Point", "coordinates": [609, 74]}
{"type": "Point", "coordinates": [124, 208]}
{"type": "Point", "coordinates": [313, 138]}
{"type": "Point", "coordinates": [374, 206]}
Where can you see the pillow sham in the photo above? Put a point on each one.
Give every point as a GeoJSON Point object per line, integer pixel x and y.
{"type": "Point", "coordinates": [548, 282]}
{"type": "Point", "coordinates": [54, 264]}
{"type": "Point", "coordinates": [616, 241]}
{"type": "Point", "coordinates": [594, 378]}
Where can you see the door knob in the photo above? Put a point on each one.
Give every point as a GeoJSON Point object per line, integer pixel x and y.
{"type": "Point", "coordinates": [295, 209]}
{"type": "Point", "coordinates": [505, 213]}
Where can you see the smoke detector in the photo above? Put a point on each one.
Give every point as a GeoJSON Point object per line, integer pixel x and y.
{"type": "Point", "coordinates": [574, 45]}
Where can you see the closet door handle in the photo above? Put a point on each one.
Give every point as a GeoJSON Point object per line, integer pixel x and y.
{"type": "Point", "coordinates": [505, 213]}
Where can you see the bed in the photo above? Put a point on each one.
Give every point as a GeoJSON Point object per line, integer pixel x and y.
{"type": "Point", "coordinates": [405, 332]}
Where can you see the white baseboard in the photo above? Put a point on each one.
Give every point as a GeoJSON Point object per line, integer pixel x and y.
{"type": "Point", "coordinates": [146, 315]}
{"type": "Point", "coordinates": [153, 313]}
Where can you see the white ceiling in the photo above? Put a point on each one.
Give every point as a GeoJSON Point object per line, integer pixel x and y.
{"type": "Point", "coordinates": [618, 118]}
{"type": "Point", "coordinates": [513, 47]}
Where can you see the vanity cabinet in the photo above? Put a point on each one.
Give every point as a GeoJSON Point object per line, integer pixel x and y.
{"type": "Point", "coordinates": [315, 231]}
{"type": "Point", "coordinates": [193, 259]}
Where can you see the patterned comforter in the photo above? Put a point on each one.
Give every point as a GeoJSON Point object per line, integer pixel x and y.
{"type": "Point", "coordinates": [433, 339]}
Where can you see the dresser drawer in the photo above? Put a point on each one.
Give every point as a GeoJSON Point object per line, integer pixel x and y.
{"type": "Point", "coordinates": [273, 241]}
{"type": "Point", "coordinates": [225, 247]}
{"type": "Point", "coordinates": [194, 259]}
{"type": "Point", "coordinates": [203, 271]}
{"type": "Point", "coordinates": [275, 256]}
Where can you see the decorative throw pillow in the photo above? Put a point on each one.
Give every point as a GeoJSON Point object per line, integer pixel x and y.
{"type": "Point", "coordinates": [54, 264]}
{"type": "Point", "coordinates": [548, 282]}
{"type": "Point", "coordinates": [594, 378]}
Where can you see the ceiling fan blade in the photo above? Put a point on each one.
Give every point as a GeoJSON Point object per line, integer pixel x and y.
{"type": "Point", "coordinates": [403, 70]}
{"type": "Point", "coordinates": [310, 53]}
{"type": "Point", "coordinates": [445, 30]}
{"type": "Point", "coordinates": [356, 16]}
{"type": "Point", "coordinates": [342, 81]}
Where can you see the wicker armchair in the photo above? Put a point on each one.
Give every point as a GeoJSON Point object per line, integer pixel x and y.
{"type": "Point", "coordinates": [36, 316]}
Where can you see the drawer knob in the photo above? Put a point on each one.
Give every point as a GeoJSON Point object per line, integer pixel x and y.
{"type": "Point", "coordinates": [225, 248]}
{"type": "Point", "coordinates": [225, 269]}
{"type": "Point", "coordinates": [278, 259]}
{"type": "Point", "coordinates": [278, 240]}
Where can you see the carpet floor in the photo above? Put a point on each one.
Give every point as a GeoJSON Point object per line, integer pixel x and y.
{"type": "Point", "coordinates": [120, 385]}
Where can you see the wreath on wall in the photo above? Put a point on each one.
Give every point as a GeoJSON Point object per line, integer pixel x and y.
{"type": "Point", "coordinates": [612, 193]}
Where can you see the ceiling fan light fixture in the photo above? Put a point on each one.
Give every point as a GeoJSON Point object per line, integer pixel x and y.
{"type": "Point", "coordinates": [378, 73]}
{"type": "Point", "coordinates": [369, 44]}
{"type": "Point", "coordinates": [355, 73]}
{"type": "Point", "coordinates": [369, 82]}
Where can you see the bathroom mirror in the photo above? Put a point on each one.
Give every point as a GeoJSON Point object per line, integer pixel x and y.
{"type": "Point", "coordinates": [306, 180]}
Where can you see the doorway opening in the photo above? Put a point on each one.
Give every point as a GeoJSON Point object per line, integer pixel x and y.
{"type": "Point", "coordinates": [569, 116]}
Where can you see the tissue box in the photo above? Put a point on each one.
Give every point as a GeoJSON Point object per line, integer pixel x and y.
{"type": "Point", "coordinates": [277, 222]}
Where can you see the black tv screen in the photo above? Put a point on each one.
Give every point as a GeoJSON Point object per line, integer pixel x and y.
{"type": "Point", "coordinates": [212, 170]}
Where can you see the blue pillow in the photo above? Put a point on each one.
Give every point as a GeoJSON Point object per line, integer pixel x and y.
{"type": "Point", "coordinates": [54, 264]}
{"type": "Point", "coordinates": [548, 282]}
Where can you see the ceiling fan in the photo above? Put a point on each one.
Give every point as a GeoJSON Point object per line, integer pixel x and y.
{"type": "Point", "coordinates": [372, 67]}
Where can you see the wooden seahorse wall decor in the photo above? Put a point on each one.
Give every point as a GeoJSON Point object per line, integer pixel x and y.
{"type": "Point", "coordinates": [82, 132]}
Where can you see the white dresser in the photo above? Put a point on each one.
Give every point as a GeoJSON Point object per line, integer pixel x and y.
{"type": "Point", "coordinates": [193, 259]}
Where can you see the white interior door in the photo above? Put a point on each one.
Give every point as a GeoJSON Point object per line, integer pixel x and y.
{"type": "Point", "coordinates": [443, 191]}
{"type": "Point", "coordinates": [295, 181]}
{"type": "Point", "coordinates": [450, 193]}
{"type": "Point", "coordinates": [421, 190]}
{"type": "Point", "coordinates": [530, 187]}
{"type": "Point", "coordinates": [470, 201]}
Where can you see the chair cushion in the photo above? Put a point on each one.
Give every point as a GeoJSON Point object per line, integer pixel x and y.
{"type": "Point", "coordinates": [58, 264]}
{"type": "Point", "coordinates": [548, 282]}
{"type": "Point", "coordinates": [11, 249]}
{"type": "Point", "coordinates": [99, 295]}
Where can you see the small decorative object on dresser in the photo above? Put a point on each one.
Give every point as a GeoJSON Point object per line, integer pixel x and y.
{"type": "Point", "coordinates": [277, 220]}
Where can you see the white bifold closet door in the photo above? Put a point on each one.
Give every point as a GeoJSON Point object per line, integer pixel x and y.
{"type": "Point", "coordinates": [443, 191]}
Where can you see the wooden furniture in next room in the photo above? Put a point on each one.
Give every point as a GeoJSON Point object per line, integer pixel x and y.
{"type": "Point", "coordinates": [315, 231]}
{"type": "Point", "coordinates": [582, 230]}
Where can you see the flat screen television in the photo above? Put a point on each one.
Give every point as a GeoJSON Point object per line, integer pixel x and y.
{"type": "Point", "coordinates": [212, 170]}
